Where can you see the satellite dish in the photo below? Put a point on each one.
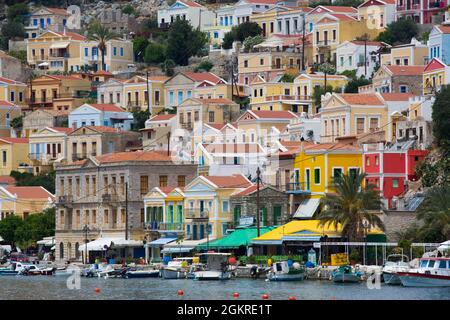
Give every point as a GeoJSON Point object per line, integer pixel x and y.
{"type": "Point", "coordinates": [74, 21]}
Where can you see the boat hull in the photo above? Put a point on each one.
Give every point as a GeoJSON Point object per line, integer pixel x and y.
{"type": "Point", "coordinates": [345, 278]}
{"type": "Point", "coordinates": [173, 274]}
{"type": "Point", "coordinates": [286, 277]}
{"type": "Point", "coordinates": [410, 279]}
{"type": "Point", "coordinates": [391, 278]}
{"type": "Point", "coordinates": [142, 274]}
{"type": "Point", "coordinates": [211, 275]}
{"type": "Point", "coordinates": [8, 273]}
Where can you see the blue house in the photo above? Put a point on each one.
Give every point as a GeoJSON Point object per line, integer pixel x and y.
{"type": "Point", "coordinates": [439, 43]}
{"type": "Point", "coordinates": [108, 115]}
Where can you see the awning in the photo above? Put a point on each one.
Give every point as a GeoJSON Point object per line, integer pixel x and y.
{"type": "Point", "coordinates": [239, 237]}
{"type": "Point", "coordinates": [307, 208]}
{"type": "Point", "coordinates": [60, 45]}
{"type": "Point", "coordinates": [302, 230]}
{"type": "Point", "coordinates": [43, 64]}
{"type": "Point", "coordinates": [100, 243]}
{"type": "Point", "coordinates": [161, 241]}
{"type": "Point", "coordinates": [177, 250]}
{"type": "Point", "coordinates": [47, 241]}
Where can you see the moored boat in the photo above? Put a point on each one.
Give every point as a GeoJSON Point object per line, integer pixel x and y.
{"type": "Point", "coordinates": [432, 272]}
{"type": "Point", "coordinates": [216, 268]}
{"type": "Point", "coordinates": [395, 263]}
{"type": "Point", "coordinates": [281, 271]}
{"type": "Point", "coordinates": [141, 273]}
{"type": "Point", "coordinates": [345, 274]}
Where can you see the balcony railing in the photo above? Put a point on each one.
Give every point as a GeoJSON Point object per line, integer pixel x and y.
{"type": "Point", "coordinates": [57, 56]}
{"type": "Point", "coordinates": [110, 198]}
{"type": "Point", "coordinates": [187, 125]}
{"type": "Point", "coordinates": [325, 43]}
{"type": "Point", "coordinates": [196, 213]}
{"type": "Point", "coordinates": [288, 97]}
{"type": "Point", "coordinates": [163, 226]}
{"type": "Point", "coordinates": [44, 157]}
{"type": "Point", "coordinates": [65, 200]}
{"type": "Point", "coordinates": [74, 95]}
{"type": "Point", "coordinates": [298, 187]}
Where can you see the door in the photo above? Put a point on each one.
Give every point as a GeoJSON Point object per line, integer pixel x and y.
{"type": "Point", "coordinates": [194, 232]}
{"type": "Point", "coordinates": [276, 215]}
{"type": "Point", "coordinates": [202, 231]}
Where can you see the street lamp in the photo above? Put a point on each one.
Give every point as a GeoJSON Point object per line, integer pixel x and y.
{"type": "Point", "coordinates": [85, 230]}
{"type": "Point", "coordinates": [365, 226]}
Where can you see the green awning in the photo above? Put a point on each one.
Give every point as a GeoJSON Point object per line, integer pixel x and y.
{"type": "Point", "coordinates": [239, 237]}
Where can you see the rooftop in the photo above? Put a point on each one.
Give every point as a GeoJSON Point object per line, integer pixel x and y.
{"type": "Point", "coordinates": [29, 192]}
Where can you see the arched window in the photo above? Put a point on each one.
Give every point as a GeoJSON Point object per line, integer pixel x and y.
{"type": "Point", "coordinates": [61, 250]}
{"type": "Point", "coordinates": [77, 252]}
{"type": "Point", "coordinates": [69, 250]}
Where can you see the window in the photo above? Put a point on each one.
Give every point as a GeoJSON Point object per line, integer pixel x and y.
{"type": "Point", "coordinates": [341, 59]}
{"type": "Point", "coordinates": [144, 185]}
{"type": "Point", "coordinates": [394, 183]}
{"type": "Point", "coordinates": [211, 116]}
{"type": "Point", "coordinates": [350, 61]}
{"type": "Point", "coordinates": [4, 157]}
{"type": "Point", "coordinates": [114, 51]}
{"type": "Point", "coordinates": [163, 181]}
{"type": "Point", "coordinates": [376, 160]}
{"type": "Point", "coordinates": [334, 35]}
{"type": "Point", "coordinates": [353, 171]}
{"type": "Point", "coordinates": [405, 62]}
{"type": "Point", "coordinates": [261, 62]}
{"type": "Point", "coordinates": [181, 181]}
{"type": "Point", "coordinates": [225, 206]}
{"type": "Point", "coordinates": [373, 123]}
{"type": "Point", "coordinates": [106, 216]}
{"type": "Point", "coordinates": [337, 172]}
{"type": "Point", "coordinates": [317, 176]}
{"type": "Point", "coordinates": [367, 161]}
{"type": "Point", "coordinates": [245, 63]}
{"type": "Point", "coordinates": [360, 125]}
{"type": "Point", "coordinates": [121, 52]}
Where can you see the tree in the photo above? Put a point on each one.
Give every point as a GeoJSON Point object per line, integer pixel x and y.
{"type": "Point", "coordinates": [46, 180]}
{"type": "Point", "coordinates": [250, 42]}
{"type": "Point", "coordinates": [205, 65]}
{"type": "Point", "coordinates": [318, 92]}
{"type": "Point", "coordinates": [139, 46]}
{"type": "Point", "coordinates": [139, 119]}
{"type": "Point", "coordinates": [351, 206]}
{"type": "Point", "coordinates": [100, 33]}
{"type": "Point", "coordinates": [17, 122]}
{"type": "Point", "coordinates": [129, 9]}
{"type": "Point", "coordinates": [326, 68]}
{"type": "Point", "coordinates": [399, 32]}
{"type": "Point", "coordinates": [441, 116]}
{"type": "Point", "coordinates": [155, 53]}
{"type": "Point", "coordinates": [18, 12]}
{"type": "Point", "coordinates": [228, 40]}
{"type": "Point", "coordinates": [11, 30]}
{"type": "Point", "coordinates": [8, 227]}
{"type": "Point", "coordinates": [168, 67]}
{"type": "Point", "coordinates": [240, 33]}
{"type": "Point", "coordinates": [435, 214]}
{"type": "Point", "coordinates": [353, 84]}
{"type": "Point", "coordinates": [183, 42]}
{"type": "Point", "coordinates": [287, 77]}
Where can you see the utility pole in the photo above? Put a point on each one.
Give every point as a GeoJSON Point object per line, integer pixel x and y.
{"type": "Point", "coordinates": [365, 55]}
{"type": "Point", "coordinates": [148, 96]}
{"type": "Point", "coordinates": [126, 210]}
{"type": "Point", "coordinates": [168, 144]}
{"type": "Point", "coordinates": [303, 43]}
{"type": "Point", "coordinates": [258, 172]}
{"type": "Point", "coordinates": [85, 229]}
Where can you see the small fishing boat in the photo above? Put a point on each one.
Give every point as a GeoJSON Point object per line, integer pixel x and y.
{"type": "Point", "coordinates": [432, 272]}
{"type": "Point", "coordinates": [395, 263]}
{"type": "Point", "coordinates": [216, 267]}
{"type": "Point", "coordinates": [8, 271]}
{"type": "Point", "coordinates": [142, 273]}
{"type": "Point", "coordinates": [345, 274]}
{"type": "Point", "coordinates": [177, 268]}
{"type": "Point", "coordinates": [281, 271]}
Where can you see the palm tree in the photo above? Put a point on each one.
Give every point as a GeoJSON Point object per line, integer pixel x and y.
{"type": "Point", "coordinates": [327, 68]}
{"type": "Point", "coordinates": [435, 212]}
{"type": "Point", "coordinates": [351, 206]}
{"type": "Point", "coordinates": [101, 34]}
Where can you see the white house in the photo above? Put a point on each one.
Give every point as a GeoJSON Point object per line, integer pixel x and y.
{"type": "Point", "coordinates": [350, 56]}
{"type": "Point", "coordinates": [243, 9]}
{"type": "Point", "coordinates": [292, 21]}
{"type": "Point", "coordinates": [108, 115]}
{"type": "Point", "coordinates": [196, 14]}
{"type": "Point", "coordinates": [305, 127]}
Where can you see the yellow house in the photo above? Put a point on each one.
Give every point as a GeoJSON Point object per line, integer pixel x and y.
{"type": "Point", "coordinates": [59, 92]}
{"type": "Point", "coordinates": [435, 75]}
{"type": "Point", "coordinates": [377, 13]}
{"type": "Point", "coordinates": [13, 91]}
{"type": "Point", "coordinates": [267, 19]}
{"type": "Point", "coordinates": [411, 54]}
{"type": "Point", "coordinates": [351, 114]}
{"type": "Point", "coordinates": [315, 166]}
{"type": "Point", "coordinates": [332, 30]}
{"type": "Point", "coordinates": [23, 201]}
{"type": "Point", "coordinates": [207, 205]}
{"type": "Point", "coordinates": [8, 111]}
{"type": "Point", "coordinates": [14, 153]}
{"type": "Point", "coordinates": [135, 93]}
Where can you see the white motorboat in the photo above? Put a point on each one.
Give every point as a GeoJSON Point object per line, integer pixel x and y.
{"type": "Point", "coordinates": [216, 267]}
{"type": "Point", "coordinates": [395, 263]}
{"type": "Point", "coordinates": [177, 268]}
{"type": "Point", "coordinates": [432, 272]}
{"type": "Point", "coordinates": [282, 272]}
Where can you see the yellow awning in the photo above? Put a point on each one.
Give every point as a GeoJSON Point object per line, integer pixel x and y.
{"type": "Point", "coordinates": [59, 45]}
{"type": "Point", "coordinates": [303, 229]}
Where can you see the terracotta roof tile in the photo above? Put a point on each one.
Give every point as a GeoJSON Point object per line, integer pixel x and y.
{"type": "Point", "coordinates": [162, 117]}
{"type": "Point", "coordinates": [266, 114]}
{"type": "Point", "coordinates": [444, 28]}
{"type": "Point", "coordinates": [62, 129]}
{"type": "Point", "coordinates": [134, 156]}
{"type": "Point", "coordinates": [166, 190]}
{"type": "Point", "coordinates": [6, 103]}
{"type": "Point", "coordinates": [29, 192]}
{"type": "Point", "coordinates": [59, 11]}
{"type": "Point", "coordinates": [234, 181]}
{"type": "Point", "coordinates": [396, 96]}
{"type": "Point", "coordinates": [7, 180]}
{"type": "Point", "coordinates": [107, 107]}
{"type": "Point", "coordinates": [14, 140]}
{"type": "Point", "coordinates": [331, 147]}
{"type": "Point", "coordinates": [247, 190]}
{"type": "Point", "coordinates": [362, 99]}
{"type": "Point", "coordinates": [406, 70]}
{"type": "Point", "coordinates": [10, 81]}
{"type": "Point", "coordinates": [158, 78]}
{"type": "Point", "coordinates": [190, 3]}
{"type": "Point", "coordinates": [203, 76]}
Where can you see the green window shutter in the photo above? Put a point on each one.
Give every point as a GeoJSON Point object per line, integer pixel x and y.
{"type": "Point", "coordinates": [237, 213]}
{"type": "Point", "coordinates": [317, 176]}
{"type": "Point", "coordinates": [179, 213]}
{"type": "Point", "coordinates": [264, 216]}
{"type": "Point", "coordinates": [277, 215]}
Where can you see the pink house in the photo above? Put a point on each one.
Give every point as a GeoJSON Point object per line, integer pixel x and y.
{"type": "Point", "coordinates": [421, 11]}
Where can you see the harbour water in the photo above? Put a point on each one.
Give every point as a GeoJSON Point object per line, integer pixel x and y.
{"type": "Point", "coordinates": [54, 287]}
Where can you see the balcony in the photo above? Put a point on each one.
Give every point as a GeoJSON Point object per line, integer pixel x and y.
{"type": "Point", "coordinates": [187, 125]}
{"type": "Point", "coordinates": [325, 43]}
{"type": "Point", "coordinates": [59, 56]}
{"type": "Point", "coordinates": [110, 198]}
{"type": "Point", "coordinates": [436, 5]}
{"type": "Point", "coordinates": [65, 201]}
{"type": "Point", "coordinates": [298, 188]}
{"type": "Point", "coordinates": [136, 105]}
{"type": "Point", "coordinates": [162, 226]}
{"type": "Point", "coordinates": [196, 214]}
{"type": "Point", "coordinates": [290, 98]}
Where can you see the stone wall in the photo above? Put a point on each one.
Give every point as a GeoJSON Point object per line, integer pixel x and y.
{"type": "Point", "coordinates": [397, 221]}
{"type": "Point", "coordinates": [414, 83]}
